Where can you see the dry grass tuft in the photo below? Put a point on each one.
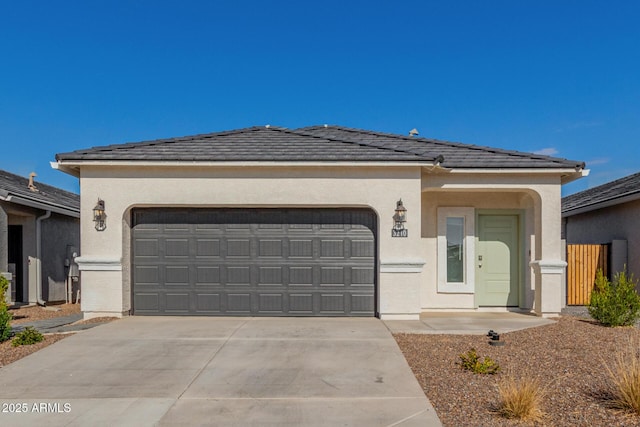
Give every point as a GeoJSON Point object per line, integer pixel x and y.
{"type": "Point", "coordinates": [521, 398]}
{"type": "Point", "coordinates": [625, 378]}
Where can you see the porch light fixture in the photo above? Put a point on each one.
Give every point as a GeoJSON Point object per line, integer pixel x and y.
{"type": "Point", "coordinates": [99, 216]}
{"type": "Point", "coordinates": [399, 218]}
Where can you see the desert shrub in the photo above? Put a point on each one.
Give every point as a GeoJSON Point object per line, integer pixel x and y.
{"type": "Point", "coordinates": [471, 362]}
{"type": "Point", "coordinates": [624, 375]}
{"type": "Point", "coordinates": [521, 398]}
{"type": "Point", "coordinates": [28, 336]}
{"type": "Point", "coordinates": [5, 324]}
{"type": "Point", "coordinates": [4, 286]}
{"type": "Point", "coordinates": [5, 315]}
{"type": "Point", "coordinates": [615, 303]}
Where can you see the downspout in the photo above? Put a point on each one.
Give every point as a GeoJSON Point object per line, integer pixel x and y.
{"type": "Point", "coordinates": [39, 257]}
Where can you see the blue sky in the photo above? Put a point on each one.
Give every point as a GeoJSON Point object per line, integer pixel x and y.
{"type": "Point", "coordinates": [557, 77]}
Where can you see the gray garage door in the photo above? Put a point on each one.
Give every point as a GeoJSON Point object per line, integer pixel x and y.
{"type": "Point", "coordinates": [254, 262]}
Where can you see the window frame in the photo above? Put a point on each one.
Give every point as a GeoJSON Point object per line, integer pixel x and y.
{"type": "Point", "coordinates": [467, 286]}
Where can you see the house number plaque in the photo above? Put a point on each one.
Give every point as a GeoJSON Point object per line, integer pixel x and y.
{"type": "Point", "coordinates": [399, 232]}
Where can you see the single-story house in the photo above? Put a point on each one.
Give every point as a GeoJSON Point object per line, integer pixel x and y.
{"type": "Point", "coordinates": [39, 233]}
{"type": "Point", "coordinates": [317, 221]}
{"type": "Point", "coordinates": [608, 213]}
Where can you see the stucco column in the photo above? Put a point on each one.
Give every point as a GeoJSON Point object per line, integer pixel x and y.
{"type": "Point", "coordinates": [548, 266]}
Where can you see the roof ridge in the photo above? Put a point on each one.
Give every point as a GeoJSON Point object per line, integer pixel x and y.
{"type": "Point", "coordinates": [299, 131]}
{"type": "Point", "coordinates": [450, 144]}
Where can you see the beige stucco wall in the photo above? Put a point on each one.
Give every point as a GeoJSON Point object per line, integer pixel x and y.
{"type": "Point", "coordinates": [407, 275]}
{"type": "Point", "coordinates": [123, 188]}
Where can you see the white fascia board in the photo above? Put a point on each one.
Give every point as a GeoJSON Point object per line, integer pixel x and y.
{"type": "Point", "coordinates": [567, 175]}
{"type": "Point", "coordinates": [65, 168]}
{"type": "Point", "coordinates": [521, 171]}
{"type": "Point", "coordinates": [74, 164]}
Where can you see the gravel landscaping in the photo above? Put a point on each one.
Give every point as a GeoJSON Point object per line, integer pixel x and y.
{"type": "Point", "coordinates": [568, 357]}
{"type": "Point", "coordinates": [35, 312]}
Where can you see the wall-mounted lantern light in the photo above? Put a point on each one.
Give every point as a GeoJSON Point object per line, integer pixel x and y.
{"type": "Point", "coordinates": [399, 218]}
{"type": "Point", "coordinates": [99, 216]}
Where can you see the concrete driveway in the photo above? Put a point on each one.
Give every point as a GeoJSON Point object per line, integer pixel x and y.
{"type": "Point", "coordinates": [218, 371]}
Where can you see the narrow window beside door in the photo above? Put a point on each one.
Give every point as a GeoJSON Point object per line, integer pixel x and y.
{"type": "Point", "coordinates": [455, 250]}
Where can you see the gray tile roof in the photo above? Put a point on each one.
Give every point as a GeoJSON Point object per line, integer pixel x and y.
{"type": "Point", "coordinates": [316, 143]}
{"type": "Point", "coordinates": [45, 195]}
{"type": "Point", "coordinates": [456, 155]}
{"type": "Point", "coordinates": [619, 190]}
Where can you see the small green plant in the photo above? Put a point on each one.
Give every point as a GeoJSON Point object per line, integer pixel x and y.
{"type": "Point", "coordinates": [624, 375]}
{"type": "Point", "coordinates": [5, 315]}
{"type": "Point", "coordinates": [28, 336]}
{"type": "Point", "coordinates": [471, 362]}
{"type": "Point", "coordinates": [521, 398]}
{"type": "Point", "coordinates": [615, 303]}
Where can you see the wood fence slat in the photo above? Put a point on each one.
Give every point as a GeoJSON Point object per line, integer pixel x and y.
{"type": "Point", "coordinates": [583, 261]}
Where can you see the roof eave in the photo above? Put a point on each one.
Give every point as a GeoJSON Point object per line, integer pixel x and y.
{"type": "Point", "coordinates": [568, 174]}
{"type": "Point", "coordinates": [37, 204]}
{"type": "Point", "coordinates": [68, 169]}
{"type": "Point", "coordinates": [603, 204]}
{"type": "Point", "coordinates": [72, 167]}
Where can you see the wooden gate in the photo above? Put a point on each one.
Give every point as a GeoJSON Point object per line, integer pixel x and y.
{"type": "Point", "coordinates": [583, 261]}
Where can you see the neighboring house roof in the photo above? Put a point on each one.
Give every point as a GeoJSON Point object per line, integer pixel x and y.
{"type": "Point", "coordinates": [612, 193]}
{"type": "Point", "coordinates": [15, 189]}
{"type": "Point", "coordinates": [316, 143]}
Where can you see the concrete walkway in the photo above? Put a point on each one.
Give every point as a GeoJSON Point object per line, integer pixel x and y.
{"type": "Point", "coordinates": [56, 324]}
{"type": "Point", "coordinates": [467, 323]}
{"type": "Point", "coordinates": [144, 371]}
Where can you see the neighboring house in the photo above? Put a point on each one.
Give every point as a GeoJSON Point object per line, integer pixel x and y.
{"type": "Point", "coordinates": [39, 231]}
{"type": "Point", "coordinates": [609, 213]}
{"type": "Point", "coordinates": [309, 222]}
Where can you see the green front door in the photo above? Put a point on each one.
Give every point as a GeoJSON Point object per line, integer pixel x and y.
{"type": "Point", "coordinates": [497, 256]}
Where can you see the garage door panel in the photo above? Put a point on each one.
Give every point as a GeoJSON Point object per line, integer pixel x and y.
{"type": "Point", "coordinates": [146, 247]}
{"type": "Point", "coordinates": [362, 303]}
{"type": "Point", "coordinates": [332, 276]}
{"type": "Point", "coordinates": [239, 303]}
{"type": "Point", "coordinates": [300, 248]}
{"type": "Point", "coordinates": [332, 248]}
{"type": "Point", "coordinates": [362, 248]}
{"type": "Point", "coordinates": [332, 303]}
{"type": "Point", "coordinates": [177, 275]}
{"type": "Point", "coordinates": [207, 275]}
{"type": "Point", "coordinates": [271, 303]}
{"type": "Point", "coordinates": [239, 248]}
{"type": "Point", "coordinates": [147, 302]}
{"type": "Point", "coordinates": [208, 247]}
{"type": "Point", "coordinates": [362, 276]}
{"type": "Point", "coordinates": [146, 274]}
{"type": "Point", "coordinates": [275, 262]}
{"type": "Point", "coordinates": [239, 275]}
{"type": "Point", "coordinates": [302, 275]}
{"type": "Point", "coordinates": [177, 302]}
{"type": "Point", "coordinates": [270, 248]}
{"type": "Point", "coordinates": [208, 302]}
{"type": "Point", "coordinates": [270, 276]}
{"type": "Point", "coordinates": [301, 303]}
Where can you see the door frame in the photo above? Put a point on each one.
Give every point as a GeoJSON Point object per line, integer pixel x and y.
{"type": "Point", "coordinates": [520, 214]}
